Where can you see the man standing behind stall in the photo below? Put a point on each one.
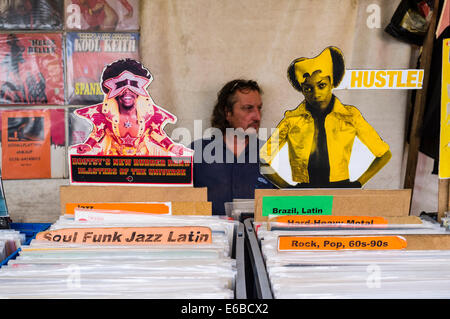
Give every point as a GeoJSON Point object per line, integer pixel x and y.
{"type": "Point", "coordinates": [228, 163]}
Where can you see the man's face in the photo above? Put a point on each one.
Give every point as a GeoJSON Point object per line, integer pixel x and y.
{"type": "Point", "coordinates": [127, 99]}
{"type": "Point", "coordinates": [317, 90]}
{"type": "Point", "coordinates": [246, 112]}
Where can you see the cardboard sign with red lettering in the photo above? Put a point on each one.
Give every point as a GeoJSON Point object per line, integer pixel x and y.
{"type": "Point", "coordinates": [178, 235]}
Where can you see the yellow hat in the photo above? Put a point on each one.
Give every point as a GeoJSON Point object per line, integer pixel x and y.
{"type": "Point", "coordinates": [330, 62]}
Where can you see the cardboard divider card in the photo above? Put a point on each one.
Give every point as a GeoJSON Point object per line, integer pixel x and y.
{"type": "Point", "coordinates": [293, 243]}
{"type": "Point", "coordinates": [298, 222]}
{"type": "Point", "coordinates": [344, 202]}
{"type": "Point", "coordinates": [333, 220]}
{"type": "Point", "coordinates": [297, 205]}
{"type": "Point", "coordinates": [156, 208]}
{"type": "Point", "coordinates": [159, 208]}
{"type": "Point", "coordinates": [183, 200]}
{"type": "Point", "coordinates": [129, 235]}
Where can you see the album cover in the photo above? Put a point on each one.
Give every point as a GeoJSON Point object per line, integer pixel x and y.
{"type": "Point", "coordinates": [31, 15]}
{"type": "Point", "coordinates": [31, 69]}
{"type": "Point", "coordinates": [87, 55]}
{"type": "Point", "coordinates": [33, 143]}
{"type": "Point", "coordinates": [102, 15]}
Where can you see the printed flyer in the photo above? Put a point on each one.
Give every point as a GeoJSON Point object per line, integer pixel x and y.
{"type": "Point", "coordinates": [26, 144]}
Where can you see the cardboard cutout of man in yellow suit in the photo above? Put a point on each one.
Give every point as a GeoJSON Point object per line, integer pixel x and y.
{"type": "Point", "coordinates": [320, 132]}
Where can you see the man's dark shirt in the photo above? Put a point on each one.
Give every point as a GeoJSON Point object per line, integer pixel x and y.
{"type": "Point", "coordinates": [227, 181]}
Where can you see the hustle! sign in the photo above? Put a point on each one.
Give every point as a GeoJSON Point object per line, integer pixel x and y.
{"type": "Point", "coordinates": [382, 80]}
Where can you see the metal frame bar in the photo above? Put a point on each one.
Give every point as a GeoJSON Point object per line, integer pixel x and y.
{"type": "Point", "coordinates": [260, 276]}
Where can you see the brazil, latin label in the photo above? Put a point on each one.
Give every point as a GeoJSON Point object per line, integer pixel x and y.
{"type": "Point", "coordinates": [296, 205]}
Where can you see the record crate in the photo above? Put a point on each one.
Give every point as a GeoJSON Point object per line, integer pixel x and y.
{"type": "Point", "coordinates": [237, 253]}
{"type": "Point", "coordinates": [416, 270]}
{"type": "Point", "coordinates": [30, 230]}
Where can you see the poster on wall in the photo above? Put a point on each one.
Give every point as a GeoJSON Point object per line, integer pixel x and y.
{"type": "Point", "coordinates": [87, 54]}
{"type": "Point", "coordinates": [126, 143]}
{"type": "Point", "coordinates": [102, 15]}
{"type": "Point", "coordinates": [31, 69]}
{"type": "Point", "coordinates": [26, 144]}
{"type": "Point", "coordinates": [31, 15]}
{"type": "Point", "coordinates": [33, 143]}
{"type": "Point", "coordinates": [444, 153]}
{"type": "Point", "coordinates": [329, 144]}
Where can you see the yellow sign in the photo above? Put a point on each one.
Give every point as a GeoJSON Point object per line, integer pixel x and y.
{"type": "Point", "coordinates": [444, 153]}
{"type": "Point", "coordinates": [382, 79]}
{"type": "Point", "coordinates": [298, 243]}
{"type": "Point", "coordinates": [179, 235]}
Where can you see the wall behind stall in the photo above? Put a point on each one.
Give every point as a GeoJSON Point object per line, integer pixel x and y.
{"type": "Point", "coordinates": [193, 47]}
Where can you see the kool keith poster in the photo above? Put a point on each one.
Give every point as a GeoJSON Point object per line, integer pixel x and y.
{"type": "Point", "coordinates": [87, 55]}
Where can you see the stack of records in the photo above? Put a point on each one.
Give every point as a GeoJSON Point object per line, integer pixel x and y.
{"type": "Point", "coordinates": [132, 255]}
{"type": "Point", "coordinates": [10, 241]}
{"type": "Point", "coordinates": [240, 209]}
{"type": "Point", "coordinates": [353, 261]}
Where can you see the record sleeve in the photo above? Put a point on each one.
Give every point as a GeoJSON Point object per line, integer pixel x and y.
{"type": "Point", "coordinates": [3, 206]}
{"type": "Point", "coordinates": [102, 15]}
{"type": "Point", "coordinates": [33, 143]}
{"type": "Point", "coordinates": [31, 15]}
{"type": "Point", "coordinates": [87, 55]}
{"type": "Point", "coordinates": [31, 69]}
{"type": "Point", "coordinates": [79, 128]}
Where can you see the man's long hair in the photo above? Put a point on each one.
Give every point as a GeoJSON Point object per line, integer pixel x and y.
{"type": "Point", "coordinates": [226, 99]}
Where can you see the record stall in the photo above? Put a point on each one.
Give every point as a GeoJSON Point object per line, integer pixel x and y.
{"type": "Point", "coordinates": [75, 105]}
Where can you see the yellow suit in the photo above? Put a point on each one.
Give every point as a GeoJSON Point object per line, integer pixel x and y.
{"type": "Point", "coordinates": [341, 126]}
